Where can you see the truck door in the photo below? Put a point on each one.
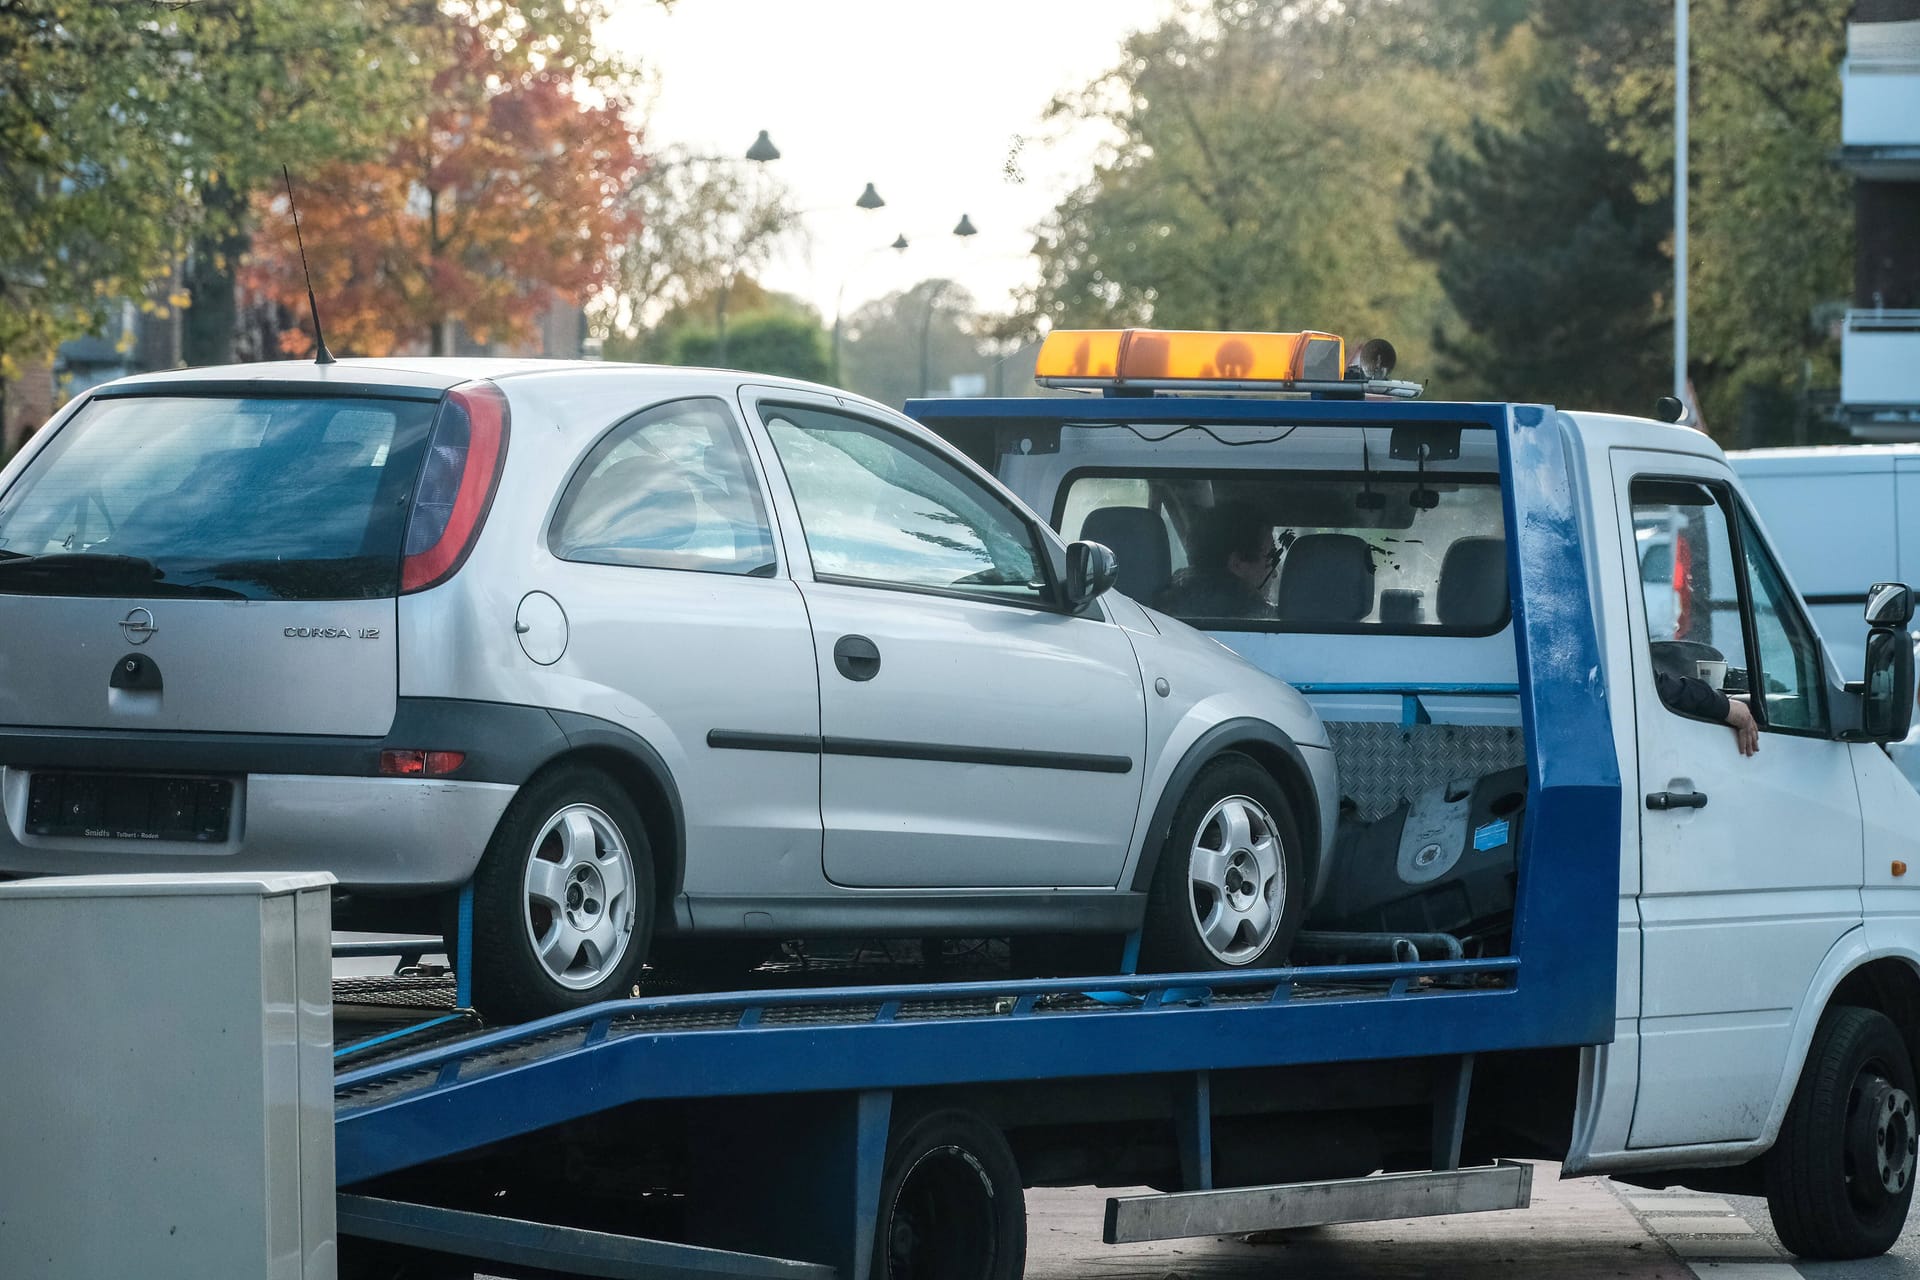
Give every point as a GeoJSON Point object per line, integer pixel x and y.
{"type": "Point", "coordinates": [1751, 867]}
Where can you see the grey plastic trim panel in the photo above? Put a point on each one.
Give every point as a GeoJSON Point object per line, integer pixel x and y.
{"type": "Point", "coordinates": [930, 913]}
{"type": "Point", "coordinates": [1384, 1197]}
{"type": "Point", "coordinates": [572, 1250]}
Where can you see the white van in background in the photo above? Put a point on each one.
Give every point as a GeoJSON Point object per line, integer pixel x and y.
{"type": "Point", "coordinates": [1840, 517]}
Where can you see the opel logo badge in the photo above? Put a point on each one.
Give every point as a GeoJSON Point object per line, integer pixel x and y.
{"type": "Point", "coordinates": [138, 626]}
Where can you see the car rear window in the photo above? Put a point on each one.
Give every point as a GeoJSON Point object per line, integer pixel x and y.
{"type": "Point", "coordinates": [271, 498]}
{"type": "Point", "coordinates": [1377, 550]}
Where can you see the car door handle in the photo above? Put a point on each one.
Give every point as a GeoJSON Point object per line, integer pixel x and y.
{"type": "Point", "coordinates": [856, 658]}
{"type": "Point", "coordinates": [1662, 800]}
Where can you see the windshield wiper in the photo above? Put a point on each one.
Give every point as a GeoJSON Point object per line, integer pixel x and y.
{"type": "Point", "coordinates": [104, 574]}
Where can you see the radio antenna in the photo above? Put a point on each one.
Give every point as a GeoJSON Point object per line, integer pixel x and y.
{"type": "Point", "coordinates": [320, 354]}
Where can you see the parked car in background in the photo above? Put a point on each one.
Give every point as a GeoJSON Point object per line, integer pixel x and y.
{"type": "Point", "coordinates": [642, 653]}
{"type": "Point", "coordinates": [1841, 517]}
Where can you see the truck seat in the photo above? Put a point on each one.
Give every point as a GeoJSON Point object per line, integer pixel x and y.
{"type": "Point", "coordinates": [1138, 539]}
{"type": "Point", "coordinates": [1472, 593]}
{"type": "Point", "coordinates": [1326, 577]}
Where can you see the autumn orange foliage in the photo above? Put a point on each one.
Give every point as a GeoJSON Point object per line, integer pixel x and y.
{"type": "Point", "coordinates": [506, 193]}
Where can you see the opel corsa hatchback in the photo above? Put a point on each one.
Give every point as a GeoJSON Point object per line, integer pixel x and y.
{"type": "Point", "coordinates": [643, 654]}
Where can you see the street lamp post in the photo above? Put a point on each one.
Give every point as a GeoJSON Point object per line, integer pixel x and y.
{"type": "Point", "coordinates": [962, 229]}
{"type": "Point", "coordinates": [899, 245]}
{"type": "Point", "coordinates": [761, 153]}
{"type": "Point", "coordinates": [1681, 62]}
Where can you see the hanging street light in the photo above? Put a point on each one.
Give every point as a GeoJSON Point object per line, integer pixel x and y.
{"type": "Point", "coordinates": [763, 149]}
{"type": "Point", "coordinates": [965, 227]}
{"type": "Point", "coordinates": [870, 199]}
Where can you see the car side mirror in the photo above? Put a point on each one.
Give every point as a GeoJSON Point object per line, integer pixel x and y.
{"type": "Point", "coordinates": [1091, 572]}
{"type": "Point", "coordinates": [1889, 604]}
{"type": "Point", "coordinates": [1886, 695]}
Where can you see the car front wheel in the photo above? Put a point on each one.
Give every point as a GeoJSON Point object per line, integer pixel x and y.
{"type": "Point", "coordinates": [563, 898]}
{"type": "Point", "coordinates": [1229, 889]}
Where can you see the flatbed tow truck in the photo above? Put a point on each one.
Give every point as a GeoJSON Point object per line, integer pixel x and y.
{"type": "Point", "coordinates": [833, 1120]}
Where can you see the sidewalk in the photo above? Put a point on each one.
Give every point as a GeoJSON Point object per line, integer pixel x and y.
{"type": "Point", "coordinates": [1577, 1230]}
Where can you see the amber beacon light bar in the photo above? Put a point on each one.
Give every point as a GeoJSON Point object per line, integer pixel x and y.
{"type": "Point", "coordinates": [1184, 360]}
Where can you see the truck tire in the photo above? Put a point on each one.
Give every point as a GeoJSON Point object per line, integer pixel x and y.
{"type": "Point", "coordinates": [1840, 1175]}
{"type": "Point", "coordinates": [1230, 887]}
{"type": "Point", "coordinates": [563, 898]}
{"type": "Point", "coordinates": [951, 1203]}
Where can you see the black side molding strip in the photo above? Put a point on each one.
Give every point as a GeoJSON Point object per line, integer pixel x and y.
{"type": "Point", "coordinates": [1859, 598]}
{"type": "Point", "coordinates": [737, 740]}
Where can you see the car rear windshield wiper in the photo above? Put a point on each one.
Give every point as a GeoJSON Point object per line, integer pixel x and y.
{"type": "Point", "coordinates": [100, 574]}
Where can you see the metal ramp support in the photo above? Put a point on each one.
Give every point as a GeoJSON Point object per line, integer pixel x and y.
{"type": "Point", "coordinates": [1505, 1184]}
{"type": "Point", "coordinates": [483, 1237]}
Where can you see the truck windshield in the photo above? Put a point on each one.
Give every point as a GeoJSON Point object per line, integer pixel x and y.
{"type": "Point", "coordinates": [282, 498]}
{"type": "Point", "coordinates": [1241, 550]}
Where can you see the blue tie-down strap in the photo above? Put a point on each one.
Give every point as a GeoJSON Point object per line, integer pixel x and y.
{"type": "Point", "coordinates": [1130, 964]}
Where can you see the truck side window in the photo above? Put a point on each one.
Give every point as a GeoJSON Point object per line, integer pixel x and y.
{"type": "Point", "coordinates": [1684, 541]}
{"type": "Point", "coordinates": [1792, 671]}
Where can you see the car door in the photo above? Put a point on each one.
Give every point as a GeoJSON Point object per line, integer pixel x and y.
{"type": "Point", "coordinates": [1751, 867]}
{"type": "Point", "coordinates": [683, 621]}
{"type": "Point", "coordinates": [973, 733]}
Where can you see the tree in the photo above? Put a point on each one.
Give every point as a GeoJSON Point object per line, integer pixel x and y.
{"type": "Point", "coordinates": [1556, 280]}
{"type": "Point", "coordinates": [86, 159]}
{"type": "Point", "coordinates": [911, 343]}
{"type": "Point", "coordinates": [1771, 227]}
{"type": "Point", "coordinates": [782, 343]}
{"type": "Point", "coordinates": [1252, 183]}
{"type": "Point", "coordinates": [505, 192]}
{"type": "Point", "coordinates": [701, 226]}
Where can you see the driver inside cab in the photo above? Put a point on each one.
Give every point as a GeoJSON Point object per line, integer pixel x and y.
{"type": "Point", "coordinates": [1233, 561]}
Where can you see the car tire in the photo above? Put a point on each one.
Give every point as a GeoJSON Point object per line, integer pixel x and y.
{"type": "Point", "coordinates": [1230, 887]}
{"type": "Point", "coordinates": [951, 1203]}
{"type": "Point", "coordinates": [563, 900]}
{"type": "Point", "coordinates": [1839, 1178]}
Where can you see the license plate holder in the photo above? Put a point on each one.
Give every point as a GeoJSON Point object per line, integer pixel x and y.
{"type": "Point", "coordinates": [122, 806]}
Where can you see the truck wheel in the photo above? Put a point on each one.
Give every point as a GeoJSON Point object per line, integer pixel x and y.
{"type": "Point", "coordinates": [563, 898]}
{"type": "Point", "coordinates": [951, 1205]}
{"type": "Point", "coordinates": [1840, 1175]}
{"type": "Point", "coordinates": [1229, 889]}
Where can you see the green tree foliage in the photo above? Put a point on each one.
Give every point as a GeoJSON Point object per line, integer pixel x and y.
{"type": "Point", "coordinates": [136, 134]}
{"type": "Point", "coordinates": [784, 343]}
{"type": "Point", "coordinates": [92, 188]}
{"type": "Point", "coordinates": [1253, 181]}
{"type": "Point", "coordinates": [1551, 260]}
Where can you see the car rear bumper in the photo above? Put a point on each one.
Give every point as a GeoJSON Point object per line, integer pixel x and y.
{"type": "Point", "coordinates": [393, 834]}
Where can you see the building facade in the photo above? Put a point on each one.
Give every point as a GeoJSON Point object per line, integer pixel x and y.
{"type": "Point", "coordinates": [1880, 146]}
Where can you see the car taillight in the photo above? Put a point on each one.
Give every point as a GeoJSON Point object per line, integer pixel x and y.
{"type": "Point", "coordinates": [457, 481]}
{"type": "Point", "coordinates": [420, 764]}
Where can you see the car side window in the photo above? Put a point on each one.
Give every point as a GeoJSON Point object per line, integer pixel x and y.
{"type": "Point", "coordinates": [1792, 672]}
{"type": "Point", "coordinates": [1688, 580]}
{"type": "Point", "coordinates": [670, 488]}
{"type": "Point", "coordinates": [880, 508]}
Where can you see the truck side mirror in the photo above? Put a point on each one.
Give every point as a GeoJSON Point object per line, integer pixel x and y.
{"type": "Point", "coordinates": [1887, 696]}
{"type": "Point", "coordinates": [1091, 572]}
{"type": "Point", "coordinates": [1889, 604]}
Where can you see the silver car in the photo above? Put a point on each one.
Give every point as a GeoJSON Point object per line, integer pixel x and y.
{"type": "Point", "coordinates": [646, 655]}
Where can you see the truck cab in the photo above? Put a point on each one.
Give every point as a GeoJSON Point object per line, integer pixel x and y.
{"type": "Point", "coordinates": [1759, 896]}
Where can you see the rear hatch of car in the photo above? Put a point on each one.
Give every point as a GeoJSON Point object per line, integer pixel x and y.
{"type": "Point", "coordinates": [198, 560]}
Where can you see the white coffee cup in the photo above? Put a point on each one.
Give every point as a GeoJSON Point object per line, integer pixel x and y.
{"type": "Point", "coordinates": [1712, 671]}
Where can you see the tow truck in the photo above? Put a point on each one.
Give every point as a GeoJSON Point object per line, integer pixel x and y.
{"type": "Point", "coordinates": [1650, 957]}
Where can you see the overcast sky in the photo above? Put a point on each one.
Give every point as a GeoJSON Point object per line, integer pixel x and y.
{"type": "Point", "coordinates": [924, 100]}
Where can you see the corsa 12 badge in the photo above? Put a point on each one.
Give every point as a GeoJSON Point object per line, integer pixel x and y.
{"type": "Point", "coordinates": [330, 633]}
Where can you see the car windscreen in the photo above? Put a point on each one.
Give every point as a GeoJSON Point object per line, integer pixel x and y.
{"type": "Point", "coordinates": [269, 498]}
{"type": "Point", "coordinates": [1377, 550]}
